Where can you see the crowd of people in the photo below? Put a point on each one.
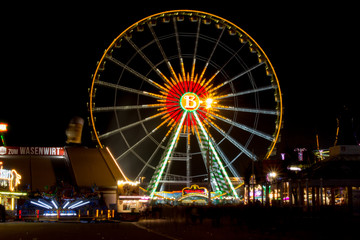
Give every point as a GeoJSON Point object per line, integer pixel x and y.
{"type": "Point", "coordinates": [251, 221]}
{"type": "Point", "coordinates": [238, 214]}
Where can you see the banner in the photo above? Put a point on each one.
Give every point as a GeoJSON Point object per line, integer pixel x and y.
{"type": "Point", "coordinates": [36, 151]}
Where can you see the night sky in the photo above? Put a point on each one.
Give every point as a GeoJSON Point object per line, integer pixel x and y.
{"type": "Point", "coordinates": [49, 53]}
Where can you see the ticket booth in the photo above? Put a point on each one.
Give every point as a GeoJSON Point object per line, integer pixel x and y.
{"type": "Point", "coordinates": [130, 203]}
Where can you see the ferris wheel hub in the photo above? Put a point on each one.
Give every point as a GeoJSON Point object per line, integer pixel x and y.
{"type": "Point", "coordinates": [190, 101]}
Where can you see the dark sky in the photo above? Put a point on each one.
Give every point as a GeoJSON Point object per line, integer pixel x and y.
{"type": "Point", "coordinates": [49, 53]}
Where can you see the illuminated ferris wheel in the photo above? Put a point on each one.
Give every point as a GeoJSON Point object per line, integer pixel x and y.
{"type": "Point", "coordinates": [181, 94]}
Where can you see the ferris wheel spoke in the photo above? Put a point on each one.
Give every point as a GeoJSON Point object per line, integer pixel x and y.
{"type": "Point", "coordinates": [139, 75]}
{"type": "Point", "coordinates": [211, 54]}
{"type": "Point", "coordinates": [118, 130]}
{"type": "Point", "coordinates": [135, 154]}
{"type": "Point", "coordinates": [158, 42]}
{"type": "Point", "coordinates": [256, 90]}
{"type": "Point", "coordinates": [179, 48]}
{"type": "Point", "coordinates": [162, 51]}
{"type": "Point", "coordinates": [124, 108]}
{"type": "Point", "coordinates": [156, 70]}
{"type": "Point", "coordinates": [195, 50]}
{"type": "Point", "coordinates": [131, 149]}
{"type": "Point", "coordinates": [233, 55]}
{"type": "Point", "coordinates": [160, 145]}
{"type": "Point", "coordinates": [237, 76]}
{"type": "Point", "coordinates": [243, 127]}
{"type": "Point", "coordinates": [234, 142]}
{"type": "Point", "coordinates": [130, 90]}
{"type": "Point", "coordinates": [249, 110]}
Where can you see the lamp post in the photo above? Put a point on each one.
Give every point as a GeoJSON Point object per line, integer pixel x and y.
{"type": "Point", "coordinates": [272, 179]}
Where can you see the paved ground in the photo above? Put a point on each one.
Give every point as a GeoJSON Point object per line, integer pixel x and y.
{"type": "Point", "coordinates": [174, 228]}
{"type": "Point", "coordinates": [310, 229]}
{"type": "Point", "coordinates": [72, 231]}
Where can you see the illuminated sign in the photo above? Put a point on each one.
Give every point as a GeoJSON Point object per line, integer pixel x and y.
{"type": "Point", "coordinates": [194, 190]}
{"type": "Point", "coordinates": [40, 151]}
{"type": "Point", "coordinates": [3, 127]}
{"type": "Point", "coordinates": [9, 178]}
{"type": "Point", "coordinates": [190, 101]}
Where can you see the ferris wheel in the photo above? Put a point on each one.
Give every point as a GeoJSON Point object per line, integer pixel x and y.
{"type": "Point", "coordinates": [183, 94]}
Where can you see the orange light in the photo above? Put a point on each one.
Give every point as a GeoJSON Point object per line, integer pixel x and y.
{"type": "Point", "coordinates": [3, 127]}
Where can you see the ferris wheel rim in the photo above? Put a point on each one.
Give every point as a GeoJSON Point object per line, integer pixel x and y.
{"type": "Point", "coordinates": [186, 13]}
